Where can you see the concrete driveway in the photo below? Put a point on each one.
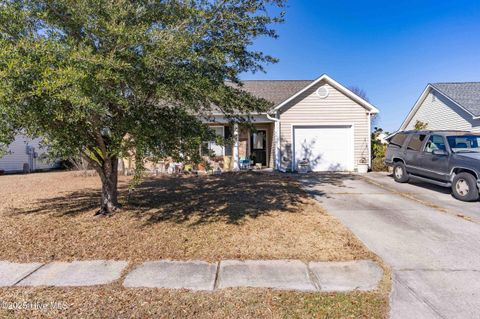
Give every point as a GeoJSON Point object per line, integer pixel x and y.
{"type": "Point", "coordinates": [432, 195]}
{"type": "Point", "coordinates": [434, 255]}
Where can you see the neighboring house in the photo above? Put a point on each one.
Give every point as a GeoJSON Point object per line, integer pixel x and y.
{"type": "Point", "coordinates": [320, 120]}
{"type": "Point", "coordinates": [447, 106]}
{"type": "Point", "coordinates": [25, 155]}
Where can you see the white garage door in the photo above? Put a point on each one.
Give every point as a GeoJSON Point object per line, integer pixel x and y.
{"type": "Point", "coordinates": [327, 148]}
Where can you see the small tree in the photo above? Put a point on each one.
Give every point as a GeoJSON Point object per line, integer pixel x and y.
{"type": "Point", "coordinates": [360, 92]}
{"type": "Point", "coordinates": [419, 125]}
{"type": "Point", "coordinates": [104, 78]}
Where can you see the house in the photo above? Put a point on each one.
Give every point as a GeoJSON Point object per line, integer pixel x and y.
{"type": "Point", "coordinates": [25, 155]}
{"type": "Point", "coordinates": [319, 122]}
{"type": "Point", "coordinates": [447, 106]}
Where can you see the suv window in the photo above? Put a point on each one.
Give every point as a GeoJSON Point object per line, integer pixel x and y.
{"type": "Point", "coordinates": [398, 139]}
{"type": "Point", "coordinates": [435, 142]}
{"type": "Point", "coordinates": [464, 143]}
{"type": "Point", "coordinates": [416, 142]}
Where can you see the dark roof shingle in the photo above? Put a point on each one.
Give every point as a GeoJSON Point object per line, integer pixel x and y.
{"type": "Point", "coordinates": [275, 91]}
{"type": "Point", "coordinates": [466, 94]}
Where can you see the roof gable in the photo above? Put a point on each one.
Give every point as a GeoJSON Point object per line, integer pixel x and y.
{"type": "Point", "coordinates": [369, 107]}
{"type": "Point", "coordinates": [466, 95]}
{"type": "Point", "coordinates": [461, 94]}
{"type": "Point", "coordinates": [280, 92]}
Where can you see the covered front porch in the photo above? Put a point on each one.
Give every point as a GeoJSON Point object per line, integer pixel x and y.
{"type": "Point", "coordinates": [251, 146]}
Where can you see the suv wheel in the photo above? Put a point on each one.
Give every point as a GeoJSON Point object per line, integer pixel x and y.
{"type": "Point", "coordinates": [400, 173]}
{"type": "Point", "coordinates": [464, 187]}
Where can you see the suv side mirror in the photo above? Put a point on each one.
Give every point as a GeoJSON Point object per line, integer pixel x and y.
{"type": "Point", "coordinates": [440, 152]}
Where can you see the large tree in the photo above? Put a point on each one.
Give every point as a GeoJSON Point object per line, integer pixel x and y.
{"type": "Point", "coordinates": [100, 78]}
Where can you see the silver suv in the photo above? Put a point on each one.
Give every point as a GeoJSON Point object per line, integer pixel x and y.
{"type": "Point", "coordinates": [444, 158]}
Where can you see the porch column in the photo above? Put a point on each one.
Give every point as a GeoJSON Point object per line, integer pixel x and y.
{"type": "Point", "coordinates": [236, 158]}
{"type": "Point", "coordinates": [277, 145]}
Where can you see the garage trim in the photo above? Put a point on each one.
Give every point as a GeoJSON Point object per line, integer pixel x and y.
{"type": "Point", "coordinates": [326, 124]}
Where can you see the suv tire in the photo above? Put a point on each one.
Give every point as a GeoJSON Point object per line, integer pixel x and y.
{"type": "Point", "coordinates": [400, 174]}
{"type": "Point", "coordinates": [464, 187]}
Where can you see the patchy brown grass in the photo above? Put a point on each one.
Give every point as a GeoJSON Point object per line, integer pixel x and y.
{"type": "Point", "coordinates": [49, 216]}
{"type": "Point", "coordinates": [247, 216]}
{"type": "Point", "coordinates": [119, 302]}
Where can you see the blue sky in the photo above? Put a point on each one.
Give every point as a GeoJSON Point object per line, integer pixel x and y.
{"type": "Point", "coordinates": [390, 49]}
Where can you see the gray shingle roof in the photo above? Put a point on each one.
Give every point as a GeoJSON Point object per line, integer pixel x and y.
{"type": "Point", "coordinates": [275, 91]}
{"type": "Point", "coordinates": [466, 94]}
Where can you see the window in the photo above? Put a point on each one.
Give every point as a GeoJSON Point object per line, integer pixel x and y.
{"type": "Point", "coordinates": [322, 92]}
{"type": "Point", "coordinates": [211, 148]}
{"type": "Point", "coordinates": [416, 142]}
{"type": "Point", "coordinates": [258, 140]}
{"type": "Point", "coordinates": [464, 143]}
{"type": "Point", "coordinates": [398, 139]}
{"type": "Point", "coordinates": [435, 142]}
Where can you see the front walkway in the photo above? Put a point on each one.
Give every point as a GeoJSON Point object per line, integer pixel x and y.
{"type": "Point", "coordinates": [434, 255]}
{"type": "Point", "coordinates": [199, 275]}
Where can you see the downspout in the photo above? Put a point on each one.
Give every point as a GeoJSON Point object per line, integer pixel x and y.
{"type": "Point", "coordinates": [277, 141]}
{"type": "Point", "coordinates": [370, 140]}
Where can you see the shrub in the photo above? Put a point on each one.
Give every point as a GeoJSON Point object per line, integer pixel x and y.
{"type": "Point", "coordinates": [378, 151]}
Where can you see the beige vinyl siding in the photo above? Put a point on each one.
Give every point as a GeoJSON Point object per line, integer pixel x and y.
{"type": "Point", "coordinates": [442, 114]}
{"type": "Point", "coordinates": [336, 108]}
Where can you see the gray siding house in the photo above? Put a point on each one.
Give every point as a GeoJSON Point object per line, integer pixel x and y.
{"type": "Point", "coordinates": [25, 155]}
{"type": "Point", "coordinates": [447, 106]}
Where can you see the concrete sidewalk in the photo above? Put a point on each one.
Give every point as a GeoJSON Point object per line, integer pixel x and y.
{"type": "Point", "coordinates": [199, 275]}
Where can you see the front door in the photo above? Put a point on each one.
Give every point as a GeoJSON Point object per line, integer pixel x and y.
{"type": "Point", "coordinates": [258, 147]}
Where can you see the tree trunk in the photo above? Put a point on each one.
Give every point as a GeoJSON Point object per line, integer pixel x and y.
{"type": "Point", "coordinates": [109, 176]}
